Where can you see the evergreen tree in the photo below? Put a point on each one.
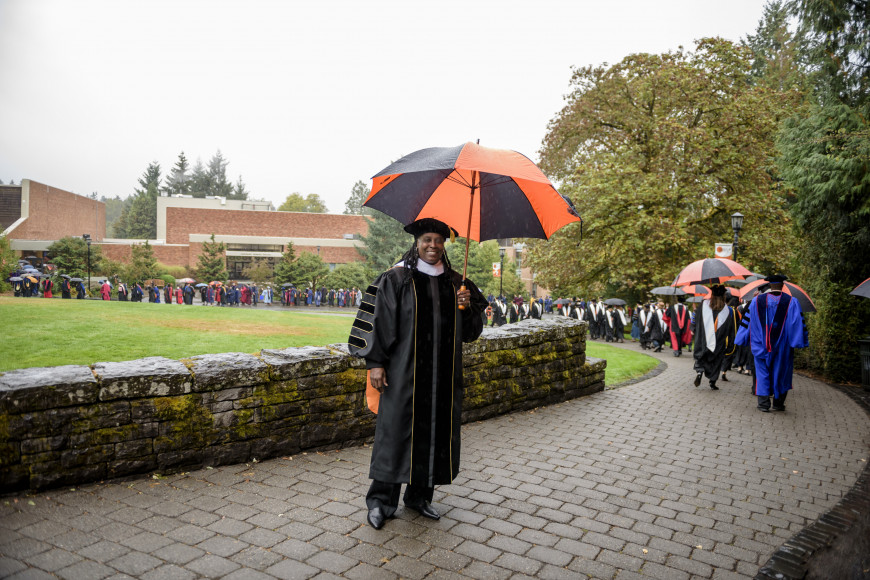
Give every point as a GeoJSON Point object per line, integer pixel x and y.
{"type": "Point", "coordinates": [141, 218]}
{"type": "Point", "coordinates": [776, 56]}
{"type": "Point", "coordinates": [212, 261]}
{"type": "Point", "coordinates": [218, 185]}
{"type": "Point", "coordinates": [239, 190]}
{"type": "Point", "coordinates": [179, 180]}
{"type": "Point", "coordinates": [385, 243]}
{"type": "Point", "coordinates": [350, 275]}
{"type": "Point", "coordinates": [143, 264]}
{"type": "Point", "coordinates": [358, 194]}
{"type": "Point", "coordinates": [199, 185]}
{"type": "Point", "coordinates": [70, 255]}
{"type": "Point", "coordinates": [310, 270]}
{"type": "Point", "coordinates": [823, 159]}
{"type": "Point", "coordinates": [285, 271]}
{"type": "Point", "coordinates": [8, 262]}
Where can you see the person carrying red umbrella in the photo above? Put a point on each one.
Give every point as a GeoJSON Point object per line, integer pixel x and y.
{"type": "Point", "coordinates": [773, 327]}
{"type": "Point", "coordinates": [410, 328]}
{"type": "Point", "coordinates": [716, 325]}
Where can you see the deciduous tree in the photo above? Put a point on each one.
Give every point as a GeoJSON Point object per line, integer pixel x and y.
{"type": "Point", "coordinates": [358, 194]}
{"type": "Point", "coordinates": [310, 203]}
{"type": "Point", "coordinates": [310, 270]}
{"type": "Point", "coordinates": [656, 152]}
{"type": "Point", "coordinates": [70, 255]}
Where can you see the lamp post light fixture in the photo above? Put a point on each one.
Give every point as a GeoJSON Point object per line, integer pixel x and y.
{"type": "Point", "coordinates": [87, 239]}
{"type": "Point", "coordinates": [736, 225]}
{"type": "Point", "coordinates": [501, 273]}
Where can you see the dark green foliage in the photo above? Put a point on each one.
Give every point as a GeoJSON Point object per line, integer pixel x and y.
{"type": "Point", "coordinates": [70, 255]}
{"type": "Point", "coordinates": [143, 263]}
{"type": "Point", "coordinates": [285, 271]}
{"type": "Point", "coordinates": [823, 158]}
{"type": "Point", "coordinates": [310, 271]}
{"type": "Point", "coordinates": [8, 262]}
{"type": "Point", "coordinates": [178, 181]}
{"type": "Point", "coordinates": [212, 262]}
{"type": "Point", "coordinates": [350, 275]}
{"type": "Point", "coordinates": [385, 243]}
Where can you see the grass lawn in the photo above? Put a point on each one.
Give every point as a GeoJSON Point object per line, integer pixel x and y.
{"type": "Point", "coordinates": [622, 364]}
{"type": "Point", "coordinates": [38, 332]}
{"type": "Point", "coordinates": [43, 333]}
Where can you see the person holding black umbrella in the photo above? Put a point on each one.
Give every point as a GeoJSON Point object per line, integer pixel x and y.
{"type": "Point", "coordinates": [716, 327]}
{"type": "Point", "coordinates": [410, 328]}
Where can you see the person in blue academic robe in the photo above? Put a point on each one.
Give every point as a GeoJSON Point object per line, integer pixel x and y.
{"type": "Point", "coordinates": [773, 327]}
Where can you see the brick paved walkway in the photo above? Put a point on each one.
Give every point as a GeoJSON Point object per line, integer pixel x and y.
{"type": "Point", "coordinates": [656, 479]}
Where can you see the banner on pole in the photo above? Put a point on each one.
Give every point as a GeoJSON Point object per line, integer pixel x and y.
{"type": "Point", "coordinates": [496, 270]}
{"type": "Point", "coordinates": [724, 250]}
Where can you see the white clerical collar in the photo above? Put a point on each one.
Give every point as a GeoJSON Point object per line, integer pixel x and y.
{"type": "Point", "coordinates": [427, 268]}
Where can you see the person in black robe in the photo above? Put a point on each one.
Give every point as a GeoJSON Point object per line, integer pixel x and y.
{"type": "Point", "coordinates": [716, 326]}
{"type": "Point", "coordinates": [619, 322]}
{"type": "Point", "coordinates": [122, 292]}
{"type": "Point", "coordinates": [679, 324]}
{"type": "Point", "coordinates": [410, 328]}
{"type": "Point", "coordinates": [657, 328]}
{"type": "Point", "coordinates": [608, 324]}
{"type": "Point", "coordinates": [593, 317]}
{"type": "Point", "coordinates": [136, 293]}
{"type": "Point", "coordinates": [66, 289]}
{"type": "Point", "coordinates": [80, 291]}
{"type": "Point", "coordinates": [537, 309]}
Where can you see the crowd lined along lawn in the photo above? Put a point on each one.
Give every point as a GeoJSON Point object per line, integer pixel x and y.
{"type": "Point", "coordinates": [39, 332]}
{"type": "Point", "coordinates": [42, 333]}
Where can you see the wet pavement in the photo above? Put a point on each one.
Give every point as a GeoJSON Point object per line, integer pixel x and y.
{"type": "Point", "coordinates": [656, 479]}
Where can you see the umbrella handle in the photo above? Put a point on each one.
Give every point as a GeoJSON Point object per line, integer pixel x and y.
{"type": "Point", "coordinates": [462, 288]}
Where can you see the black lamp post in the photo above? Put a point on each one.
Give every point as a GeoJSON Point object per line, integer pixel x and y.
{"type": "Point", "coordinates": [736, 225]}
{"type": "Point", "coordinates": [501, 273]}
{"type": "Point", "coordinates": [87, 239]}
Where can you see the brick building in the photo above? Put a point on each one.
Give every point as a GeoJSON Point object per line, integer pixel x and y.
{"type": "Point", "coordinates": [34, 215]}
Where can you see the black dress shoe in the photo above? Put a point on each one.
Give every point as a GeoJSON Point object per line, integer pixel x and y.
{"type": "Point", "coordinates": [698, 380]}
{"type": "Point", "coordinates": [714, 387]}
{"type": "Point", "coordinates": [376, 518]}
{"type": "Point", "coordinates": [763, 410]}
{"type": "Point", "coordinates": [777, 408]}
{"type": "Point", "coordinates": [425, 509]}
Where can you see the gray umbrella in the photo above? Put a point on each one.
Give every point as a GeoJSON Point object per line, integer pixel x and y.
{"type": "Point", "coordinates": [668, 291]}
{"type": "Point", "coordinates": [695, 299]}
{"type": "Point", "coordinates": [76, 280]}
{"type": "Point", "coordinates": [615, 302]}
{"type": "Point", "coordinates": [16, 279]}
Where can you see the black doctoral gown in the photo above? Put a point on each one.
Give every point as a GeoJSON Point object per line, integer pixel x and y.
{"type": "Point", "coordinates": [709, 361]}
{"type": "Point", "coordinates": [415, 331]}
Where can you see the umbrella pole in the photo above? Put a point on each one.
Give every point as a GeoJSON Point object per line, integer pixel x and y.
{"type": "Point", "coordinates": [468, 231]}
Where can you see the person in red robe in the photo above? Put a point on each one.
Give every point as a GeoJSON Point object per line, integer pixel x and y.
{"type": "Point", "coordinates": [106, 290]}
{"type": "Point", "coordinates": [679, 324]}
{"type": "Point", "coordinates": [179, 295]}
{"type": "Point", "coordinates": [47, 285]}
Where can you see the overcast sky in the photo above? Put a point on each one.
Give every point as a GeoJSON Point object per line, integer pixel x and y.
{"type": "Point", "coordinates": [304, 97]}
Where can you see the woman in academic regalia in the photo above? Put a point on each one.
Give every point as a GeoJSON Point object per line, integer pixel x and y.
{"type": "Point", "coordinates": [410, 329]}
{"type": "Point", "coordinates": [716, 327]}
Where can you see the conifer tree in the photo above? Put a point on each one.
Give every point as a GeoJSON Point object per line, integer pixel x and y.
{"type": "Point", "coordinates": [385, 243]}
{"type": "Point", "coordinates": [285, 271]}
{"type": "Point", "coordinates": [212, 262]}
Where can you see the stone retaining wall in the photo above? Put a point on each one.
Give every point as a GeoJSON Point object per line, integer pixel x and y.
{"type": "Point", "coordinates": [75, 424]}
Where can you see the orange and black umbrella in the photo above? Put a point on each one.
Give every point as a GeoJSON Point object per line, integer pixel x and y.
{"type": "Point", "coordinates": [696, 290]}
{"type": "Point", "coordinates": [711, 271]}
{"type": "Point", "coordinates": [482, 193]}
{"type": "Point", "coordinates": [793, 290]}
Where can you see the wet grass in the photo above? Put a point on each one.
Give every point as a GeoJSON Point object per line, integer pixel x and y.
{"type": "Point", "coordinates": [622, 365]}
{"type": "Point", "coordinates": [40, 332]}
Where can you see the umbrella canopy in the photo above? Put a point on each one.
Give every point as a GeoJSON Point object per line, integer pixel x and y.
{"type": "Point", "coordinates": [76, 280]}
{"type": "Point", "coordinates": [668, 291]}
{"type": "Point", "coordinates": [711, 271]}
{"type": "Point", "coordinates": [862, 289]}
{"type": "Point", "coordinates": [562, 302]}
{"type": "Point", "coordinates": [696, 290]}
{"type": "Point", "coordinates": [482, 193]}
{"type": "Point", "coordinates": [615, 302]}
{"type": "Point", "coordinates": [288, 285]}
{"type": "Point", "coordinates": [793, 290]}
{"type": "Point", "coordinates": [185, 280]}
{"type": "Point", "coordinates": [695, 299]}
{"type": "Point", "coordinates": [65, 276]}
{"type": "Point", "coordinates": [16, 279]}
{"type": "Point", "coordinates": [201, 284]}
{"type": "Point", "coordinates": [31, 278]}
